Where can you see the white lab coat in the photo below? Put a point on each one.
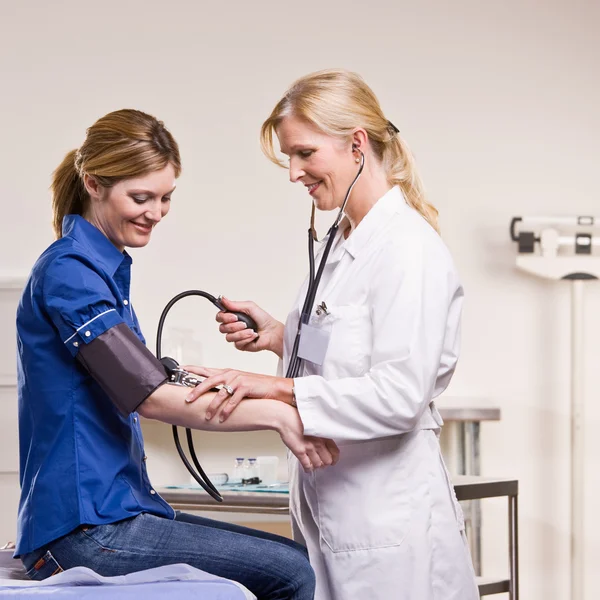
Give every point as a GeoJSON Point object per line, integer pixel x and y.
{"type": "Point", "coordinates": [383, 524]}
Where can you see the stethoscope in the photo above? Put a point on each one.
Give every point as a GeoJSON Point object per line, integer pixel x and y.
{"type": "Point", "coordinates": [179, 376]}
{"type": "Point", "coordinates": [295, 363]}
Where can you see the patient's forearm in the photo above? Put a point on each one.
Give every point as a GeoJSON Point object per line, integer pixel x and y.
{"type": "Point", "coordinates": [167, 404]}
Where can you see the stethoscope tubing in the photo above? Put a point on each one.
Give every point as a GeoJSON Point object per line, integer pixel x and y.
{"type": "Point", "coordinates": [295, 363]}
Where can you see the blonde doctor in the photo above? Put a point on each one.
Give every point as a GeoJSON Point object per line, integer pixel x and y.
{"type": "Point", "coordinates": [383, 523]}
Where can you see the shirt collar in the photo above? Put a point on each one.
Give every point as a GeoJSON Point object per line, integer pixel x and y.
{"type": "Point", "coordinates": [391, 202]}
{"type": "Point", "coordinates": [107, 254]}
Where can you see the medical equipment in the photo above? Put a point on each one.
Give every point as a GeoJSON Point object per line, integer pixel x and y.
{"type": "Point", "coordinates": [295, 363]}
{"type": "Point", "coordinates": [267, 469]}
{"type": "Point", "coordinates": [572, 255]}
{"type": "Point", "coordinates": [237, 470]}
{"type": "Point", "coordinates": [179, 376]}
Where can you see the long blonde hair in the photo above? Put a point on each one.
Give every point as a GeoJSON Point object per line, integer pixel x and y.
{"type": "Point", "coordinates": [337, 101]}
{"type": "Point", "coordinates": [122, 144]}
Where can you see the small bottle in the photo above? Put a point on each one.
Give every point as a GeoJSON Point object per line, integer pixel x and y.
{"type": "Point", "coordinates": [246, 470]}
{"type": "Point", "coordinates": [238, 471]}
{"type": "Point", "coordinates": [253, 468]}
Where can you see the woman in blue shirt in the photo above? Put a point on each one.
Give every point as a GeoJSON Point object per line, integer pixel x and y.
{"type": "Point", "coordinates": [85, 374]}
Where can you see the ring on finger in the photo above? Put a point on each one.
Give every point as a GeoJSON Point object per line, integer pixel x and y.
{"type": "Point", "coordinates": [228, 389]}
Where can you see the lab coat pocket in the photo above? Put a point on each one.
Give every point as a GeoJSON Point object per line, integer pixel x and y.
{"type": "Point", "coordinates": [368, 499]}
{"type": "Point", "coordinates": [349, 349]}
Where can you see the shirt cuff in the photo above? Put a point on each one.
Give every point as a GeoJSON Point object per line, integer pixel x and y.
{"type": "Point", "coordinates": [89, 331]}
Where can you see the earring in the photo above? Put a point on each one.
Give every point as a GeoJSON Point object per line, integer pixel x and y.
{"type": "Point", "coordinates": [357, 160]}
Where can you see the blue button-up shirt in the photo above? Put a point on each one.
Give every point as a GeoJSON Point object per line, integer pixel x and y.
{"type": "Point", "coordinates": [81, 461]}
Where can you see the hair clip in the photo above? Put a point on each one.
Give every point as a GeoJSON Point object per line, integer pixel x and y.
{"type": "Point", "coordinates": [393, 127]}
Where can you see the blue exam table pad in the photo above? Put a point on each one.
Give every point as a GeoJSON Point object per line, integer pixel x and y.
{"type": "Point", "coordinates": [173, 581]}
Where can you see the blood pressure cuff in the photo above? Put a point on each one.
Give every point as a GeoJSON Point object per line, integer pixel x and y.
{"type": "Point", "coordinates": [123, 367]}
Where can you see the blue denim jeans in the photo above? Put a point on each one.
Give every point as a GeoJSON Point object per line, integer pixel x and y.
{"type": "Point", "coordinates": [270, 566]}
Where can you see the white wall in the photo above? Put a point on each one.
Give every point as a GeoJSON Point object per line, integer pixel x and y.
{"type": "Point", "coordinates": [498, 100]}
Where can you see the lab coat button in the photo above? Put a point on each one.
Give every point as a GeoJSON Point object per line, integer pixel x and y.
{"type": "Point", "coordinates": [152, 492]}
{"type": "Point", "coordinates": [76, 344]}
{"type": "Point", "coordinates": [88, 333]}
{"type": "Point", "coordinates": [125, 302]}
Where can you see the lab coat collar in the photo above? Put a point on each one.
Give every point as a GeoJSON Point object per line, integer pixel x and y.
{"type": "Point", "coordinates": [336, 252]}
{"type": "Point", "coordinates": [391, 202]}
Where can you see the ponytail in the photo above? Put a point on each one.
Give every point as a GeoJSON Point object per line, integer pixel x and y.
{"type": "Point", "coordinates": [68, 193]}
{"type": "Point", "coordinates": [402, 172]}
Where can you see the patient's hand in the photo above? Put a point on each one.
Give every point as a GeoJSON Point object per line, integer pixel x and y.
{"type": "Point", "coordinates": [312, 452]}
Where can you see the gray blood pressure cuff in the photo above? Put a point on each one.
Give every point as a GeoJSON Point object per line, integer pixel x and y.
{"type": "Point", "coordinates": [123, 367]}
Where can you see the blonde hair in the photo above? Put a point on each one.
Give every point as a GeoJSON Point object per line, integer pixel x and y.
{"type": "Point", "coordinates": [122, 144]}
{"type": "Point", "coordinates": [337, 101]}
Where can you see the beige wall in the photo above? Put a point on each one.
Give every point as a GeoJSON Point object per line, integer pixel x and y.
{"type": "Point", "coordinates": [499, 101]}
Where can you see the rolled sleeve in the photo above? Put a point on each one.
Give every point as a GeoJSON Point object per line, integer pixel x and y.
{"type": "Point", "coordinates": [78, 301]}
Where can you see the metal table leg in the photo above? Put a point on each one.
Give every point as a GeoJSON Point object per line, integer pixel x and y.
{"type": "Point", "coordinates": [463, 464]}
{"type": "Point", "coordinates": [469, 463]}
{"type": "Point", "coordinates": [475, 469]}
{"type": "Point", "coordinates": [513, 546]}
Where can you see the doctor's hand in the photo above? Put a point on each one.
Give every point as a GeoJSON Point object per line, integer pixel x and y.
{"type": "Point", "coordinates": [312, 452]}
{"type": "Point", "coordinates": [237, 386]}
{"type": "Point", "coordinates": [270, 330]}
